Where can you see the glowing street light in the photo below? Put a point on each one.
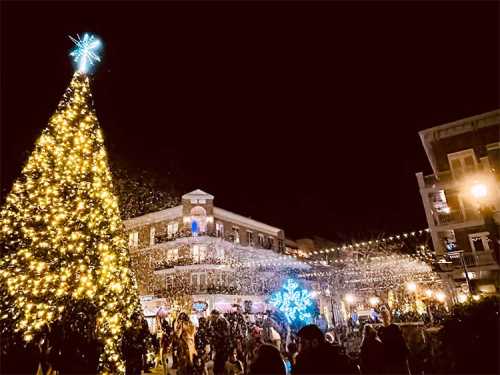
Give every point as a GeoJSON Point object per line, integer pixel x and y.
{"type": "Point", "coordinates": [475, 297]}
{"type": "Point", "coordinates": [349, 298]}
{"type": "Point", "coordinates": [428, 293]}
{"type": "Point", "coordinates": [374, 301]}
{"type": "Point", "coordinates": [462, 298]}
{"type": "Point", "coordinates": [440, 296]}
{"type": "Point", "coordinates": [411, 286]}
{"type": "Point", "coordinates": [479, 191]}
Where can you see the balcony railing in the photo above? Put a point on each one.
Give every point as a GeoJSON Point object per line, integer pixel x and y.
{"type": "Point", "coordinates": [478, 259]}
{"type": "Point", "coordinates": [442, 177]}
{"type": "Point", "coordinates": [165, 237]}
{"type": "Point", "coordinates": [187, 261]}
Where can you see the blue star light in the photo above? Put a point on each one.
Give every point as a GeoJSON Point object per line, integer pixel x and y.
{"type": "Point", "coordinates": [86, 51]}
{"type": "Point", "coordinates": [294, 302]}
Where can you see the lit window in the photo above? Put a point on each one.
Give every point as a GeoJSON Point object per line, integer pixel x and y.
{"type": "Point", "coordinates": [199, 253]}
{"type": "Point", "coordinates": [172, 228]}
{"type": "Point", "coordinates": [479, 241]}
{"type": "Point", "coordinates": [219, 229]}
{"type": "Point", "coordinates": [133, 239]}
{"type": "Point", "coordinates": [270, 242]}
{"type": "Point", "coordinates": [194, 280]}
{"type": "Point", "coordinates": [249, 238]}
{"type": "Point", "coordinates": [152, 236]}
{"type": "Point", "coordinates": [462, 163]}
{"type": "Point", "coordinates": [261, 240]}
{"type": "Point", "coordinates": [172, 254]}
{"type": "Point", "coordinates": [236, 234]}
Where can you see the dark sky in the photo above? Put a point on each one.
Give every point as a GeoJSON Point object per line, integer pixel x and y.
{"type": "Point", "coordinates": [304, 116]}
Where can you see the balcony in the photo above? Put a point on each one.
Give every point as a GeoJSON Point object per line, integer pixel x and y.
{"type": "Point", "coordinates": [478, 259]}
{"type": "Point", "coordinates": [187, 261]}
{"type": "Point", "coordinates": [442, 178]}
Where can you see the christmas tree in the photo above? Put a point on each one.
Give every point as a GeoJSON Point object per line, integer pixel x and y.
{"type": "Point", "coordinates": [61, 235]}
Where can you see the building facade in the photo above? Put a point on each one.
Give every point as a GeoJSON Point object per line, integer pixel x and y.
{"type": "Point", "coordinates": [207, 255]}
{"type": "Point", "coordinates": [461, 199]}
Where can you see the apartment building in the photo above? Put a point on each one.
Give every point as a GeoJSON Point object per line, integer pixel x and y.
{"type": "Point", "coordinates": [461, 199]}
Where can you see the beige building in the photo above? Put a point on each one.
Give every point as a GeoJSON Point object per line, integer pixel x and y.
{"type": "Point", "coordinates": [213, 255]}
{"type": "Point", "coordinates": [461, 199]}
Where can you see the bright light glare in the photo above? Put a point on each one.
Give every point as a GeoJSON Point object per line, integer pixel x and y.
{"type": "Point", "coordinates": [462, 298]}
{"type": "Point", "coordinates": [440, 296]}
{"type": "Point", "coordinates": [349, 298]}
{"type": "Point", "coordinates": [86, 50]}
{"type": "Point", "coordinates": [476, 297]}
{"type": "Point", "coordinates": [374, 301]}
{"type": "Point", "coordinates": [428, 293]}
{"type": "Point", "coordinates": [479, 191]}
{"type": "Point", "coordinates": [411, 286]}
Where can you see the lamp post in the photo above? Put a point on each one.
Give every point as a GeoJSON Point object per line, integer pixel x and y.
{"type": "Point", "coordinates": [480, 193]}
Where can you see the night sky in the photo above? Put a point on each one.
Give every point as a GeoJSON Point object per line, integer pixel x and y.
{"type": "Point", "coordinates": [303, 116]}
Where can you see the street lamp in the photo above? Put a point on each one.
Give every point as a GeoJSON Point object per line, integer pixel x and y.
{"type": "Point", "coordinates": [440, 296]}
{"type": "Point", "coordinates": [482, 197]}
{"type": "Point", "coordinates": [349, 298]}
{"type": "Point", "coordinates": [411, 286]}
{"type": "Point", "coordinates": [479, 191]}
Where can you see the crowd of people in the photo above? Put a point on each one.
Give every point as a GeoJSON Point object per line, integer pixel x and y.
{"type": "Point", "coordinates": [231, 344]}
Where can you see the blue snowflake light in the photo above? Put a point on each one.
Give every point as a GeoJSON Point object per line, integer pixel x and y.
{"type": "Point", "coordinates": [294, 302]}
{"type": "Point", "coordinates": [86, 52]}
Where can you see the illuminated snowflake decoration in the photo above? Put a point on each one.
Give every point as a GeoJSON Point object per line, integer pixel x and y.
{"type": "Point", "coordinates": [86, 51]}
{"type": "Point", "coordinates": [294, 302]}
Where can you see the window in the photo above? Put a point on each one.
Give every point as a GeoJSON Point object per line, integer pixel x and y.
{"type": "Point", "coordinates": [172, 254]}
{"type": "Point", "coordinates": [281, 245]}
{"type": "Point", "coordinates": [219, 229]}
{"type": "Point", "coordinates": [270, 242]}
{"type": "Point", "coordinates": [152, 236]}
{"type": "Point", "coordinates": [169, 282]}
{"type": "Point", "coordinates": [479, 241]}
{"type": "Point", "coordinates": [236, 234]}
{"type": "Point", "coordinates": [261, 240]}
{"type": "Point", "coordinates": [172, 228]}
{"type": "Point", "coordinates": [199, 253]}
{"type": "Point", "coordinates": [203, 281]}
{"type": "Point", "coordinates": [194, 280]}
{"type": "Point", "coordinates": [133, 239]}
{"type": "Point", "coordinates": [440, 203]}
{"type": "Point", "coordinates": [462, 163]}
{"type": "Point", "coordinates": [219, 252]}
{"type": "Point", "coordinates": [250, 238]}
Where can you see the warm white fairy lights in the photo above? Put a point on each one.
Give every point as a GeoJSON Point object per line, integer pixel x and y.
{"type": "Point", "coordinates": [62, 232]}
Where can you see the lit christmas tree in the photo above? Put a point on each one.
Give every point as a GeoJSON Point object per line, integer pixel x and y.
{"type": "Point", "coordinates": [62, 244]}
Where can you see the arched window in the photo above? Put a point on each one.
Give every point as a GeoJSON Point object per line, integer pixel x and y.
{"type": "Point", "coordinates": [198, 220]}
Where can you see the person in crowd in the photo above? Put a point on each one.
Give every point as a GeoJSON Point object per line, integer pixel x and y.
{"type": "Point", "coordinates": [291, 355]}
{"type": "Point", "coordinates": [201, 342]}
{"type": "Point", "coordinates": [220, 340]}
{"type": "Point", "coordinates": [322, 323]}
{"type": "Point", "coordinates": [395, 348]}
{"type": "Point", "coordinates": [165, 345]}
{"type": "Point", "coordinates": [268, 361]}
{"type": "Point", "coordinates": [372, 352]}
{"type": "Point", "coordinates": [316, 356]}
{"type": "Point", "coordinates": [134, 346]}
{"type": "Point", "coordinates": [184, 332]}
{"type": "Point", "coordinates": [254, 342]}
{"type": "Point", "coordinates": [233, 365]}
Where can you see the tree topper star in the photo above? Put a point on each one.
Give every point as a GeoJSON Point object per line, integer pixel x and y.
{"type": "Point", "coordinates": [86, 51]}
